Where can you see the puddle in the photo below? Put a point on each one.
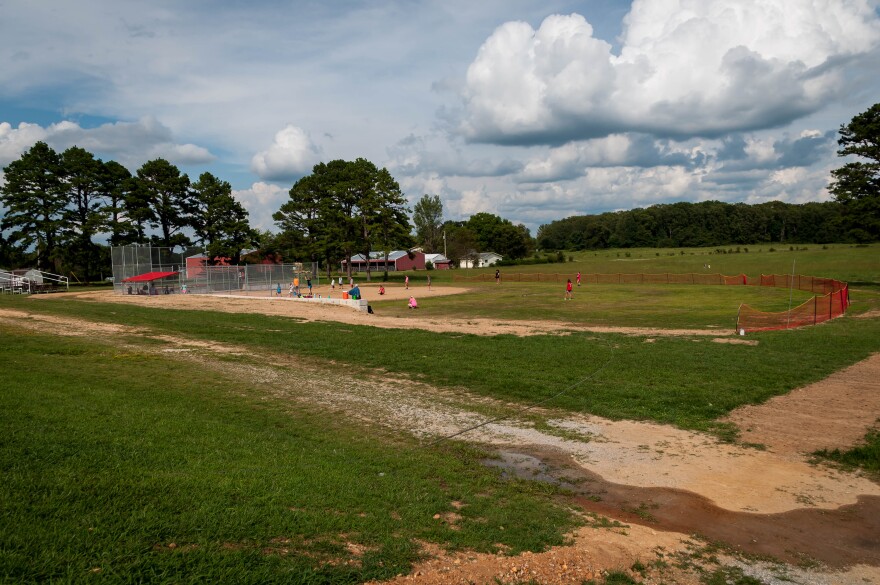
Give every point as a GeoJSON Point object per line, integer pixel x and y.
{"type": "Point", "coordinates": [847, 536]}
{"type": "Point", "coordinates": [527, 467]}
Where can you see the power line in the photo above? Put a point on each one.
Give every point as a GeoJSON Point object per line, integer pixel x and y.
{"type": "Point", "coordinates": [526, 408]}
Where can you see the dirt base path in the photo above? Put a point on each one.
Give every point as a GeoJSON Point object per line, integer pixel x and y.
{"type": "Point", "coordinates": [664, 483]}
{"type": "Point", "coordinates": [286, 307]}
{"type": "Point", "coordinates": [833, 413]}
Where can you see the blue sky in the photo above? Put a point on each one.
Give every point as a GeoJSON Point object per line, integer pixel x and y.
{"type": "Point", "coordinates": [532, 110]}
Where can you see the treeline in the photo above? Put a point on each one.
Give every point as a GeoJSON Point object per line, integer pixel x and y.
{"type": "Point", "coordinates": [709, 223]}
{"type": "Point", "coordinates": [59, 206]}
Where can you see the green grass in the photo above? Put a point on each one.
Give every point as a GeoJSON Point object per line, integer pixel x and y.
{"type": "Point", "coordinates": [850, 263]}
{"type": "Point", "coordinates": [131, 467]}
{"type": "Point", "coordinates": [109, 456]}
{"type": "Point", "coordinates": [686, 381]}
{"type": "Point", "coordinates": [865, 456]}
{"type": "Point", "coordinates": [854, 264]}
{"type": "Point", "coordinates": [664, 306]}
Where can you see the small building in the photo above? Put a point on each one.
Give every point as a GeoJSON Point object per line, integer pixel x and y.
{"type": "Point", "coordinates": [481, 260]}
{"type": "Point", "coordinates": [195, 265]}
{"type": "Point", "coordinates": [398, 260]}
{"type": "Point", "coordinates": [439, 261]}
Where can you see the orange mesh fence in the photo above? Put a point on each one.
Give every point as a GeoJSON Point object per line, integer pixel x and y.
{"type": "Point", "coordinates": [816, 310]}
{"type": "Point", "coordinates": [832, 303]}
{"type": "Point", "coordinates": [812, 284]}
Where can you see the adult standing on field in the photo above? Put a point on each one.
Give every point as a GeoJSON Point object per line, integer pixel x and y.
{"type": "Point", "coordinates": [497, 276]}
{"type": "Point", "coordinates": [568, 290]}
{"type": "Point", "coordinates": [429, 282]}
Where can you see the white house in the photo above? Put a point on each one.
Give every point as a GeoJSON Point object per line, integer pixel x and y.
{"type": "Point", "coordinates": [481, 260]}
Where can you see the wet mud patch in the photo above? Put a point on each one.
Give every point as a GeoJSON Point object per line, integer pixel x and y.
{"type": "Point", "coordinates": [839, 538]}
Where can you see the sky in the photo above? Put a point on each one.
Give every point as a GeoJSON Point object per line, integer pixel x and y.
{"type": "Point", "coordinates": [533, 110]}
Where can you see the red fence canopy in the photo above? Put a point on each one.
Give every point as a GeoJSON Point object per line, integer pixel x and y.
{"type": "Point", "coordinates": [149, 276]}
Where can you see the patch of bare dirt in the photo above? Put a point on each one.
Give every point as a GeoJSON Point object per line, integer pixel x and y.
{"type": "Point", "coordinates": [833, 413]}
{"type": "Point", "coordinates": [872, 314]}
{"type": "Point", "coordinates": [662, 483]}
{"type": "Point", "coordinates": [735, 341]}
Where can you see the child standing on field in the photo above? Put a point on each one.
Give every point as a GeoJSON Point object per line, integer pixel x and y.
{"type": "Point", "coordinates": [579, 278]}
{"type": "Point", "coordinates": [406, 282]}
{"type": "Point", "coordinates": [568, 290]}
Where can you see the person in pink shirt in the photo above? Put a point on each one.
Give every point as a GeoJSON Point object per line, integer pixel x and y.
{"type": "Point", "coordinates": [412, 303]}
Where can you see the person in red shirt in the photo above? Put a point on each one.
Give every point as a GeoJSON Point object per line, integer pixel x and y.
{"type": "Point", "coordinates": [568, 290]}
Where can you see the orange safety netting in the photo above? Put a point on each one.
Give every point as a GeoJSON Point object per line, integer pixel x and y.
{"type": "Point", "coordinates": [833, 301]}
{"type": "Point", "coordinates": [816, 310]}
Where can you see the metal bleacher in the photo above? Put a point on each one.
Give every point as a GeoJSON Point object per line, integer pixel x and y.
{"type": "Point", "coordinates": [32, 282]}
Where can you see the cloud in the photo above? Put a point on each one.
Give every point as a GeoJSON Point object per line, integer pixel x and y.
{"type": "Point", "coordinates": [685, 68]}
{"type": "Point", "coordinates": [14, 141]}
{"type": "Point", "coordinates": [129, 143]}
{"type": "Point", "coordinates": [415, 155]}
{"type": "Point", "coordinates": [261, 200]}
{"type": "Point", "coordinates": [574, 159]}
{"type": "Point", "coordinates": [291, 156]}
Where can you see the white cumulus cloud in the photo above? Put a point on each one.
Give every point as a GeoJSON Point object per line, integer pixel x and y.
{"type": "Point", "coordinates": [261, 200]}
{"type": "Point", "coordinates": [685, 67]}
{"type": "Point", "coordinates": [291, 155]}
{"type": "Point", "coordinates": [129, 143]}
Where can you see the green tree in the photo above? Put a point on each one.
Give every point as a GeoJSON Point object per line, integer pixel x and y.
{"type": "Point", "coordinates": [311, 221]}
{"type": "Point", "coordinates": [161, 199]}
{"type": "Point", "coordinates": [428, 219]}
{"type": "Point", "coordinates": [498, 235]}
{"type": "Point", "coordinates": [856, 185]}
{"type": "Point", "coordinates": [381, 210]}
{"type": "Point", "coordinates": [220, 222]}
{"type": "Point", "coordinates": [343, 207]}
{"type": "Point", "coordinates": [461, 242]}
{"type": "Point", "coordinates": [35, 205]}
{"type": "Point", "coordinates": [116, 181]}
{"type": "Point", "coordinates": [84, 216]}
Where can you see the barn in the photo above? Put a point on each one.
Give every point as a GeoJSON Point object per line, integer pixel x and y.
{"type": "Point", "coordinates": [398, 260]}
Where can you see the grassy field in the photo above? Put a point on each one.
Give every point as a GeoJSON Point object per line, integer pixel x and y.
{"type": "Point", "coordinates": [121, 465]}
{"type": "Point", "coordinates": [667, 306]}
{"type": "Point", "coordinates": [854, 264]}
